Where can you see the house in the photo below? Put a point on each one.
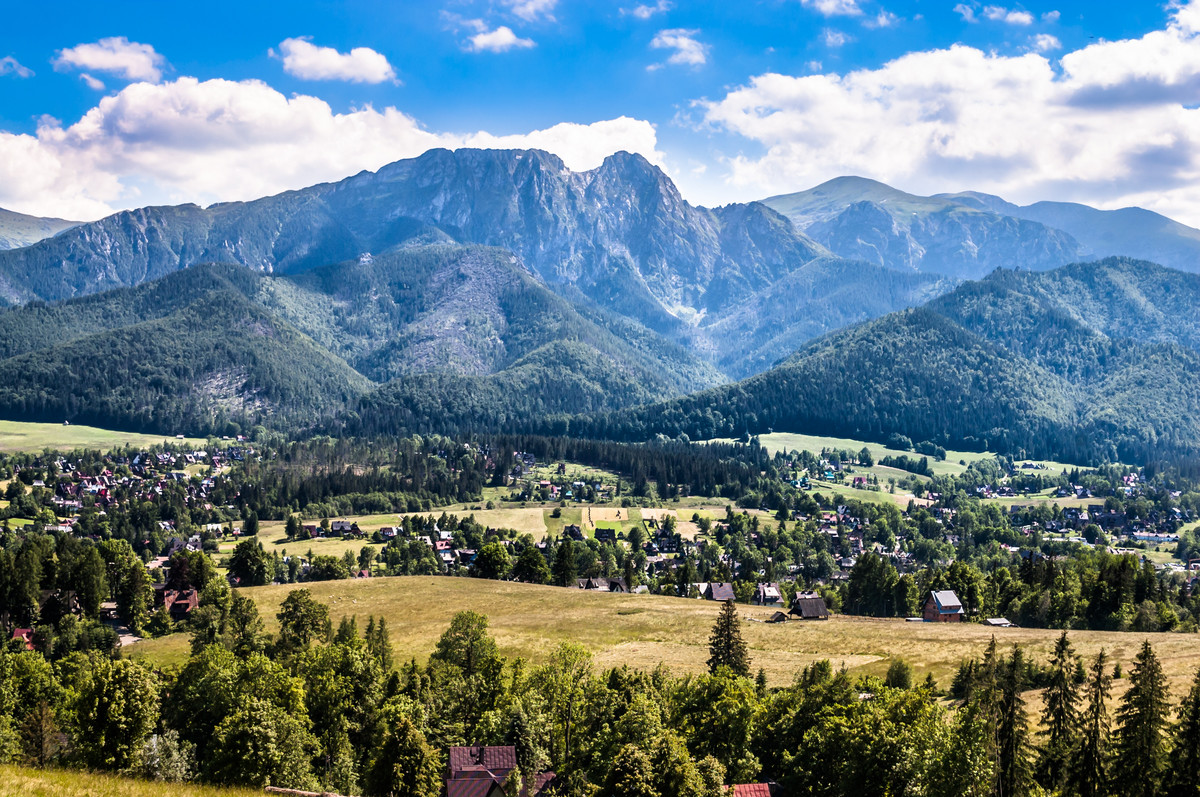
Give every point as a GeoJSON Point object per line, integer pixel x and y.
{"type": "Point", "coordinates": [778, 617]}
{"type": "Point", "coordinates": [718, 591]}
{"type": "Point", "coordinates": [750, 790]}
{"type": "Point", "coordinates": [943, 606]}
{"type": "Point", "coordinates": [573, 532]}
{"type": "Point", "coordinates": [606, 535]}
{"type": "Point", "coordinates": [768, 595]}
{"type": "Point", "coordinates": [24, 636]}
{"type": "Point", "coordinates": [809, 606]}
{"type": "Point", "coordinates": [180, 603]}
{"type": "Point", "coordinates": [602, 584]}
{"type": "Point", "coordinates": [998, 622]}
{"type": "Point", "coordinates": [483, 771]}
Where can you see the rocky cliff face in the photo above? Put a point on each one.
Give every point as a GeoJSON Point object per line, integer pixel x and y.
{"type": "Point", "coordinates": [621, 233]}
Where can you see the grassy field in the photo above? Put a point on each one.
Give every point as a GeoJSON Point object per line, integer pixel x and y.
{"type": "Point", "coordinates": [644, 630]}
{"type": "Point", "coordinates": [815, 443]}
{"type": "Point", "coordinates": [20, 436]}
{"type": "Point", "coordinates": [63, 783]}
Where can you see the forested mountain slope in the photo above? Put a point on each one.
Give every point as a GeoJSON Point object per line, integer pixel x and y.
{"type": "Point", "coordinates": [1013, 363]}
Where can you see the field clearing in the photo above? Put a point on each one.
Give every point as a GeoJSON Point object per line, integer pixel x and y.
{"type": "Point", "coordinates": [19, 436]}
{"type": "Point", "coordinates": [784, 441]}
{"type": "Point", "coordinates": [644, 630]}
{"type": "Point", "coordinates": [70, 783]}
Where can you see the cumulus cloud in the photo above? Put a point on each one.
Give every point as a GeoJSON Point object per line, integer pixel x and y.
{"type": "Point", "coordinates": [305, 60]}
{"type": "Point", "coordinates": [1044, 43]}
{"type": "Point", "coordinates": [1114, 123]}
{"type": "Point", "coordinates": [532, 10]}
{"type": "Point", "coordinates": [218, 140]}
{"type": "Point", "coordinates": [115, 55]}
{"type": "Point", "coordinates": [835, 38]}
{"type": "Point", "coordinates": [1009, 16]}
{"type": "Point", "coordinates": [499, 40]}
{"type": "Point", "coordinates": [884, 19]}
{"type": "Point", "coordinates": [93, 83]}
{"type": "Point", "coordinates": [689, 51]}
{"type": "Point", "coordinates": [11, 66]}
{"type": "Point", "coordinates": [646, 11]}
{"type": "Point", "coordinates": [833, 8]}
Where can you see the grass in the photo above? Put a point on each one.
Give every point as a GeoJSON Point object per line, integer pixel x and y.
{"type": "Point", "coordinates": [65, 783]}
{"type": "Point", "coordinates": [644, 630]}
{"type": "Point", "coordinates": [18, 436]}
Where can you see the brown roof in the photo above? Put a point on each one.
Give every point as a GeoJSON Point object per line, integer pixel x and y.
{"type": "Point", "coordinates": [810, 606]}
{"type": "Point", "coordinates": [498, 760]}
{"type": "Point", "coordinates": [720, 591]}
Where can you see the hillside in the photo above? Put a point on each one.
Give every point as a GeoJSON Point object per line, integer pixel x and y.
{"type": "Point", "coordinates": [1012, 363]}
{"type": "Point", "coordinates": [968, 234]}
{"type": "Point", "coordinates": [17, 229]}
{"type": "Point", "coordinates": [866, 220]}
{"type": "Point", "coordinates": [1127, 232]}
{"type": "Point", "coordinates": [219, 344]}
{"type": "Point", "coordinates": [643, 630]}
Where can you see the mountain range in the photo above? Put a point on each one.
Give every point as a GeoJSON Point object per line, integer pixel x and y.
{"type": "Point", "coordinates": [476, 289]}
{"type": "Point", "coordinates": [17, 229]}
{"type": "Point", "coordinates": [969, 234]}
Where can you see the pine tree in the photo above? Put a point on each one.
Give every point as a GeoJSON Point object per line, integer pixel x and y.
{"type": "Point", "coordinates": [1012, 729]}
{"type": "Point", "coordinates": [1185, 759]}
{"type": "Point", "coordinates": [1140, 749]}
{"type": "Point", "coordinates": [726, 647]}
{"type": "Point", "coordinates": [1088, 775]}
{"type": "Point", "coordinates": [564, 564]}
{"type": "Point", "coordinates": [1060, 715]}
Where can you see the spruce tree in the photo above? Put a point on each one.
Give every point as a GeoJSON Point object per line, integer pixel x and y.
{"type": "Point", "coordinates": [1012, 729]}
{"type": "Point", "coordinates": [564, 564]}
{"type": "Point", "coordinates": [1185, 758]}
{"type": "Point", "coordinates": [726, 647]}
{"type": "Point", "coordinates": [1140, 749]}
{"type": "Point", "coordinates": [1060, 715]}
{"type": "Point", "coordinates": [1088, 774]}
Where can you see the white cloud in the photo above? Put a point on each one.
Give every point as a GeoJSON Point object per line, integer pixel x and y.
{"type": "Point", "coordinates": [115, 55]}
{"type": "Point", "coordinates": [1050, 16]}
{"type": "Point", "coordinates": [835, 38]}
{"type": "Point", "coordinates": [1044, 43]}
{"type": "Point", "coordinates": [646, 11]}
{"type": "Point", "coordinates": [833, 8]}
{"type": "Point", "coordinates": [218, 140]}
{"type": "Point", "coordinates": [884, 19]}
{"type": "Point", "coordinates": [93, 83]}
{"type": "Point", "coordinates": [1011, 17]}
{"type": "Point", "coordinates": [11, 66]}
{"type": "Point", "coordinates": [967, 12]}
{"type": "Point", "coordinates": [689, 51]}
{"type": "Point", "coordinates": [532, 10]}
{"type": "Point", "coordinates": [496, 41]}
{"type": "Point", "coordinates": [305, 60]}
{"type": "Point", "coordinates": [1114, 123]}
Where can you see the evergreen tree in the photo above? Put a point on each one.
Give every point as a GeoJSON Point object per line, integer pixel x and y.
{"type": "Point", "coordinates": [1140, 745]}
{"type": "Point", "coordinates": [531, 567]}
{"type": "Point", "coordinates": [1012, 730]}
{"type": "Point", "coordinates": [564, 564]}
{"type": "Point", "coordinates": [1060, 715]}
{"type": "Point", "coordinates": [1088, 774]}
{"type": "Point", "coordinates": [1185, 759]}
{"type": "Point", "coordinates": [726, 647]}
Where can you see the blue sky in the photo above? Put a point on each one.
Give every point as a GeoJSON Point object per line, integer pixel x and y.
{"type": "Point", "coordinates": [106, 106]}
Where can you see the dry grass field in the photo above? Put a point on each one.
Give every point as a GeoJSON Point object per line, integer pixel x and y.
{"type": "Point", "coordinates": [645, 630]}
{"type": "Point", "coordinates": [64, 783]}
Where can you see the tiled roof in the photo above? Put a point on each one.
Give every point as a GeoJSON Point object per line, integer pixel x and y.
{"type": "Point", "coordinates": [751, 790]}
